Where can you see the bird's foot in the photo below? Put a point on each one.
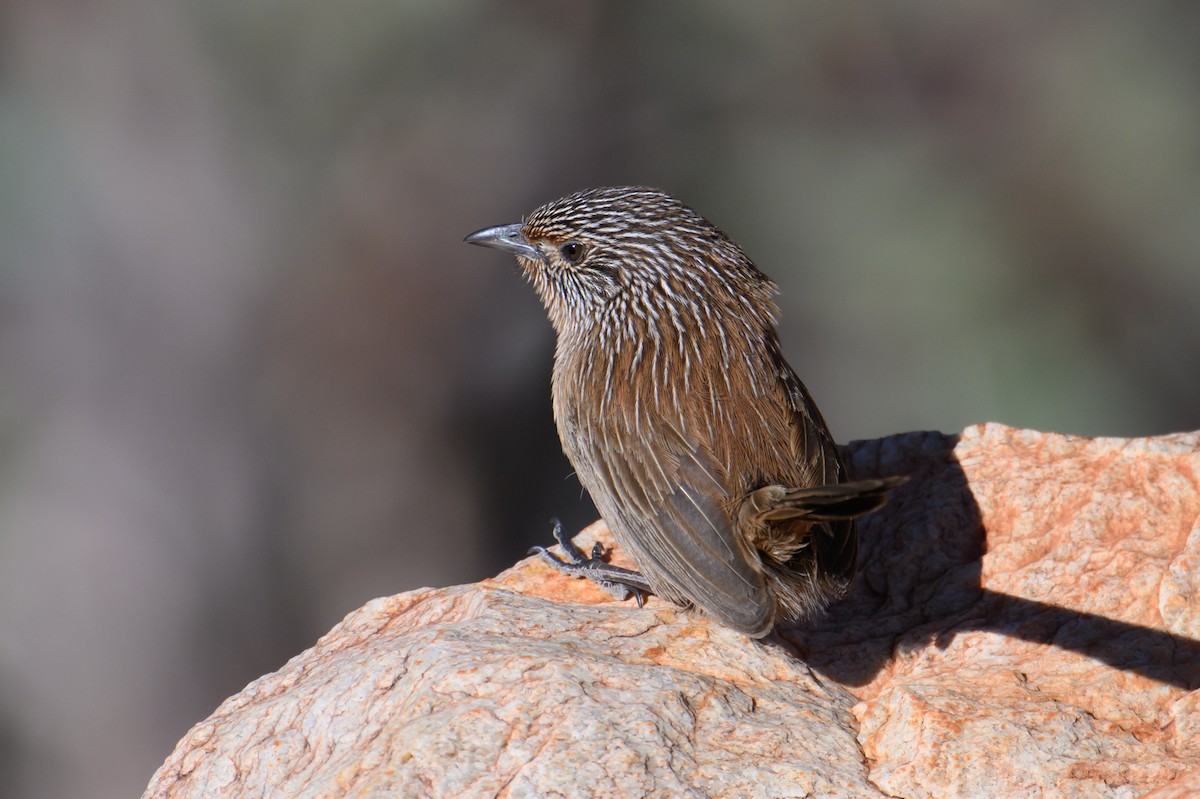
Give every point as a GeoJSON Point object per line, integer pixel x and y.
{"type": "Point", "coordinates": [618, 582]}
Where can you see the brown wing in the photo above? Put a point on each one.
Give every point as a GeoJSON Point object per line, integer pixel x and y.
{"type": "Point", "coordinates": [666, 506]}
{"type": "Point", "coordinates": [835, 541]}
{"type": "Point", "coordinates": [812, 443]}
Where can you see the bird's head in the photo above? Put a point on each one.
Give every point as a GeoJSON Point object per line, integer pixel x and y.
{"type": "Point", "coordinates": [625, 258]}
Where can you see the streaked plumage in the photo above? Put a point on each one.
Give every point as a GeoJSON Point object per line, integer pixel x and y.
{"type": "Point", "coordinates": [701, 448]}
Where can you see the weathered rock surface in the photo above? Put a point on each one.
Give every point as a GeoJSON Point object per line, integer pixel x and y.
{"type": "Point", "coordinates": [1026, 624]}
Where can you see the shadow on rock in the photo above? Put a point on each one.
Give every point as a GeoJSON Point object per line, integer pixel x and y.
{"type": "Point", "coordinates": [919, 583]}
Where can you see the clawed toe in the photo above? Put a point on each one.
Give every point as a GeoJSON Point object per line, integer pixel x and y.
{"type": "Point", "coordinates": [618, 582]}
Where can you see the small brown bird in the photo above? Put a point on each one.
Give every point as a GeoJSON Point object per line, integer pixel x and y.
{"type": "Point", "coordinates": [701, 448]}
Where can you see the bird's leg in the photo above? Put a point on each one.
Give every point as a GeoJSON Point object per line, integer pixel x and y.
{"type": "Point", "coordinates": [618, 582]}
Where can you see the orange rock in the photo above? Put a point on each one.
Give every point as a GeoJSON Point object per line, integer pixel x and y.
{"type": "Point", "coordinates": [1026, 623]}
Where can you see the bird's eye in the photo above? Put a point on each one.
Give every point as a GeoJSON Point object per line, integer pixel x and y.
{"type": "Point", "coordinates": [573, 251]}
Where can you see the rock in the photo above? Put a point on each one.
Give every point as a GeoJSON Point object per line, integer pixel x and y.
{"type": "Point", "coordinates": [1185, 787]}
{"type": "Point", "coordinates": [1026, 623]}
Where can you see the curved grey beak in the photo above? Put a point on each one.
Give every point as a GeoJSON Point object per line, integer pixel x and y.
{"type": "Point", "coordinates": [504, 237]}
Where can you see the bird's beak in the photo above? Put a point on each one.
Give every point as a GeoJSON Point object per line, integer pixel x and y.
{"type": "Point", "coordinates": [504, 237]}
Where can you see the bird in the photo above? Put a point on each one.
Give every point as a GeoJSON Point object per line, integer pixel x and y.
{"type": "Point", "coordinates": [702, 450]}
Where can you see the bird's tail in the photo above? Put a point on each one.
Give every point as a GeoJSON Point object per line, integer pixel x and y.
{"type": "Point", "coordinates": [809, 544]}
{"type": "Point", "coordinates": [834, 501]}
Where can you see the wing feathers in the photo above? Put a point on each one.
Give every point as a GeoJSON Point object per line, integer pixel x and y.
{"type": "Point", "coordinates": [681, 536]}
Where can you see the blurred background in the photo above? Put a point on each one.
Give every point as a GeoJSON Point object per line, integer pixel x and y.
{"type": "Point", "coordinates": [250, 378]}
